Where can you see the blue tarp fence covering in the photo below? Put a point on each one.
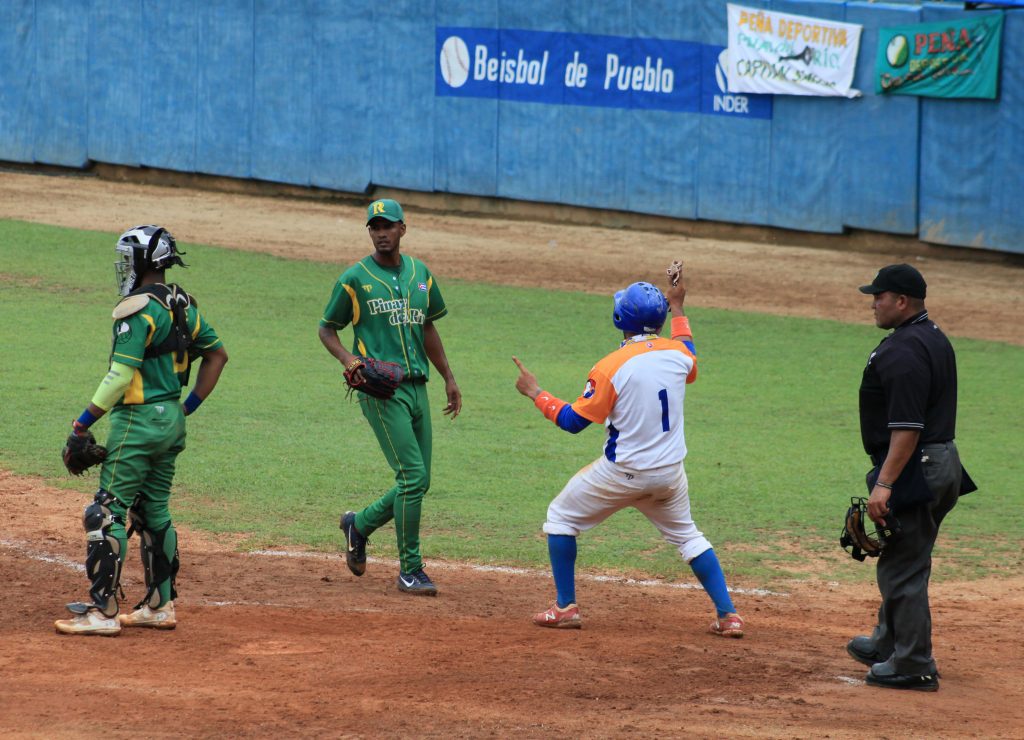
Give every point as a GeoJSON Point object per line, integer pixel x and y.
{"type": "Point", "coordinates": [617, 104]}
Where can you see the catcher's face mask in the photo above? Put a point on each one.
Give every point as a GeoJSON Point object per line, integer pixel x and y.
{"type": "Point", "coordinates": [856, 540]}
{"type": "Point", "coordinates": [124, 271]}
{"type": "Point", "coordinates": [142, 248]}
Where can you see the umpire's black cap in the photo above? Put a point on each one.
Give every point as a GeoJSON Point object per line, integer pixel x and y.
{"type": "Point", "coordinates": [903, 279]}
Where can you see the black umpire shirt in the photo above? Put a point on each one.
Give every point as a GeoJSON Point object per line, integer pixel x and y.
{"type": "Point", "coordinates": [909, 383]}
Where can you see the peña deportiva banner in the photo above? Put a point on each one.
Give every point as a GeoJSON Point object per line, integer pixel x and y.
{"type": "Point", "coordinates": [950, 59]}
{"type": "Point", "coordinates": [787, 54]}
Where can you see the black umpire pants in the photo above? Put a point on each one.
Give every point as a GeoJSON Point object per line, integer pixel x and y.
{"type": "Point", "coordinates": [904, 630]}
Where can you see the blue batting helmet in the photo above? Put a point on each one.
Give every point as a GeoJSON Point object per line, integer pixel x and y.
{"type": "Point", "coordinates": [640, 308]}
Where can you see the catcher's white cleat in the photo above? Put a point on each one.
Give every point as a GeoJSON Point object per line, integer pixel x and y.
{"type": "Point", "coordinates": [567, 618]}
{"type": "Point", "coordinates": [90, 623]}
{"type": "Point", "coordinates": [160, 619]}
{"type": "Point", "coordinates": [731, 625]}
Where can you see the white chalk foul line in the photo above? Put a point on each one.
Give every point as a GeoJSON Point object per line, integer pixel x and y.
{"type": "Point", "coordinates": [522, 572]}
{"type": "Point", "coordinates": [26, 550]}
{"type": "Point", "coordinates": [850, 680]}
{"type": "Point", "coordinates": [22, 548]}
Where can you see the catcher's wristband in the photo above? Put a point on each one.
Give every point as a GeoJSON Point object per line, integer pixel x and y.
{"type": "Point", "coordinates": [83, 422]}
{"type": "Point", "coordinates": [681, 326]}
{"type": "Point", "coordinates": [192, 403]}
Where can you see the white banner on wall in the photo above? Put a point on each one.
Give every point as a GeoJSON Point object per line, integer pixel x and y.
{"type": "Point", "coordinates": [787, 54]}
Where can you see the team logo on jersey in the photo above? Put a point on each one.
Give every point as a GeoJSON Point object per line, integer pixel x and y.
{"type": "Point", "coordinates": [399, 310]}
{"type": "Point", "coordinates": [423, 287]}
{"type": "Point", "coordinates": [368, 288]}
{"type": "Point", "coordinates": [588, 390]}
{"type": "Point", "coordinates": [122, 332]}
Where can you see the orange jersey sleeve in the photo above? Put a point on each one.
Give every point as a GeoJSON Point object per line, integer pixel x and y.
{"type": "Point", "coordinates": [598, 397]}
{"type": "Point", "coordinates": [692, 376]}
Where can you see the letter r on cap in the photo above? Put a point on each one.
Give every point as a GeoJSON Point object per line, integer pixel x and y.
{"type": "Point", "coordinates": [378, 207]}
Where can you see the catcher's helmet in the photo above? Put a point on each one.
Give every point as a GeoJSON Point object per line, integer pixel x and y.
{"type": "Point", "coordinates": [140, 249]}
{"type": "Point", "coordinates": [640, 308]}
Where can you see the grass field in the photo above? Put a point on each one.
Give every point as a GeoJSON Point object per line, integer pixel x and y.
{"type": "Point", "coordinates": [278, 452]}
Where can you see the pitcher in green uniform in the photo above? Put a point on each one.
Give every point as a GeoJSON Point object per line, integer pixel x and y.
{"type": "Point", "coordinates": [158, 332]}
{"type": "Point", "coordinates": [392, 301]}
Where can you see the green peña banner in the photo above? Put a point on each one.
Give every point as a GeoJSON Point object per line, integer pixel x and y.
{"type": "Point", "coordinates": [950, 59]}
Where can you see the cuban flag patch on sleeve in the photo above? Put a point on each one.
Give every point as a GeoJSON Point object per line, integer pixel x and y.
{"type": "Point", "coordinates": [423, 287]}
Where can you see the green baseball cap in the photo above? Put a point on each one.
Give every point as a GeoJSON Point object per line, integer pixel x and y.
{"type": "Point", "coordinates": [385, 208]}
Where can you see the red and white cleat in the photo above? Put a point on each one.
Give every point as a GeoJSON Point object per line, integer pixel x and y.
{"type": "Point", "coordinates": [731, 625]}
{"type": "Point", "coordinates": [567, 618]}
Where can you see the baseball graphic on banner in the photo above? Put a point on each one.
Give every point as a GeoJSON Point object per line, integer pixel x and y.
{"type": "Point", "coordinates": [897, 52]}
{"type": "Point", "coordinates": [454, 61]}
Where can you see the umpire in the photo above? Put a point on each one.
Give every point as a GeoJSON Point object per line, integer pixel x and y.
{"type": "Point", "coordinates": [908, 423]}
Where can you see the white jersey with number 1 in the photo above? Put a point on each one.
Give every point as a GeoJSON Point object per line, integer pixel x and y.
{"type": "Point", "coordinates": [637, 391]}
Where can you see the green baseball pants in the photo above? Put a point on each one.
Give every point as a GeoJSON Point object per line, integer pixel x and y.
{"type": "Point", "coordinates": [402, 426]}
{"type": "Point", "coordinates": [142, 448]}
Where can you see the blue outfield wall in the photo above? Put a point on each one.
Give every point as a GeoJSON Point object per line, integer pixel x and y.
{"type": "Point", "coordinates": [347, 95]}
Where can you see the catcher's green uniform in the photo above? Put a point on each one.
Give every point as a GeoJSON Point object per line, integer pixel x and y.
{"type": "Point", "coordinates": [387, 307]}
{"type": "Point", "coordinates": [147, 427]}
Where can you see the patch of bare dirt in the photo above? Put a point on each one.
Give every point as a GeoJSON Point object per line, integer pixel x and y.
{"type": "Point", "coordinates": [978, 297]}
{"type": "Point", "coordinates": [297, 647]}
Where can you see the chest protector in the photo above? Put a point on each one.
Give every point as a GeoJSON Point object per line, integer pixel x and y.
{"type": "Point", "coordinates": [174, 299]}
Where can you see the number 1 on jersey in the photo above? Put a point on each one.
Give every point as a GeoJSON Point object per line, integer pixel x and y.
{"type": "Point", "coordinates": [663, 397]}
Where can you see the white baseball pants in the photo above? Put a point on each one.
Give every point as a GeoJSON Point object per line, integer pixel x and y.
{"type": "Point", "coordinates": [603, 487]}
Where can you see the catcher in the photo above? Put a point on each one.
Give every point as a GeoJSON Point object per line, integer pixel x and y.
{"type": "Point", "coordinates": [158, 332]}
{"type": "Point", "coordinates": [392, 301]}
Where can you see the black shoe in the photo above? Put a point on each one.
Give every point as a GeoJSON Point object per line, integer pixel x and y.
{"type": "Point", "coordinates": [929, 682]}
{"type": "Point", "coordinates": [416, 583]}
{"type": "Point", "coordinates": [355, 552]}
{"type": "Point", "coordinates": [862, 649]}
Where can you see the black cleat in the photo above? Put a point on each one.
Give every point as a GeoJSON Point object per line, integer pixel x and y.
{"type": "Point", "coordinates": [355, 544]}
{"type": "Point", "coordinates": [928, 682]}
{"type": "Point", "coordinates": [862, 649]}
{"type": "Point", "coordinates": [416, 583]}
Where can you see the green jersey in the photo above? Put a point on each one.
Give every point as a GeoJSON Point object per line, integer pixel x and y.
{"type": "Point", "coordinates": [159, 377]}
{"type": "Point", "coordinates": [387, 307]}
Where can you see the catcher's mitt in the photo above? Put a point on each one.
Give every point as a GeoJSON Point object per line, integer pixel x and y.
{"type": "Point", "coordinates": [377, 378]}
{"type": "Point", "coordinates": [856, 540]}
{"type": "Point", "coordinates": [81, 452]}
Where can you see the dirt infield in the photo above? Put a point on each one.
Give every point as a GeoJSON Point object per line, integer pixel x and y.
{"type": "Point", "coordinates": [290, 645]}
{"type": "Point", "coordinates": [294, 646]}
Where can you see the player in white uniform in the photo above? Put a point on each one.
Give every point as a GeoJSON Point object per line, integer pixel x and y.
{"type": "Point", "coordinates": [637, 391]}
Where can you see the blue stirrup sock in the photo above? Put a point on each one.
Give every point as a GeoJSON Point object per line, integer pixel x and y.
{"type": "Point", "coordinates": [562, 550]}
{"type": "Point", "coordinates": [709, 572]}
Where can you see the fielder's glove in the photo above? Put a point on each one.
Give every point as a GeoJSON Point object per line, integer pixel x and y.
{"type": "Point", "coordinates": [376, 378]}
{"type": "Point", "coordinates": [859, 542]}
{"type": "Point", "coordinates": [81, 452]}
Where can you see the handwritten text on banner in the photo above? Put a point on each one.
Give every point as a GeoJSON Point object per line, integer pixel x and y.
{"type": "Point", "coordinates": [787, 54]}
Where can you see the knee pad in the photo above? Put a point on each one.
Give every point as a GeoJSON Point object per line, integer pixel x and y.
{"type": "Point", "coordinates": [157, 567]}
{"type": "Point", "coordinates": [103, 554]}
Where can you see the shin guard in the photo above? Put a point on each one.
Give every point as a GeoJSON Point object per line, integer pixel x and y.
{"type": "Point", "coordinates": [158, 565]}
{"type": "Point", "coordinates": [103, 557]}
